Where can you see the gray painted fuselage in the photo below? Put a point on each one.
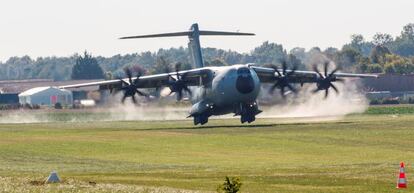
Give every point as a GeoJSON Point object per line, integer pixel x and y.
{"type": "Point", "coordinates": [229, 87]}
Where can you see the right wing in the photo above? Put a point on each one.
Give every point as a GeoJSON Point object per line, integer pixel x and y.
{"type": "Point", "coordinates": [194, 77]}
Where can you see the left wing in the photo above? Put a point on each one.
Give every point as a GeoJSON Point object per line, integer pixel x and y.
{"type": "Point", "coordinates": [268, 75]}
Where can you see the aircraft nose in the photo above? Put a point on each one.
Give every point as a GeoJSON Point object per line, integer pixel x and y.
{"type": "Point", "coordinates": [245, 84]}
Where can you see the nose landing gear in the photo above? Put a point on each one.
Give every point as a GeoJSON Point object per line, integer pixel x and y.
{"type": "Point", "coordinates": [247, 111]}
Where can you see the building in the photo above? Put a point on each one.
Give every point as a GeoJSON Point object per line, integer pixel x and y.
{"type": "Point", "coordinates": [9, 98]}
{"type": "Point", "coordinates": [388, 86]}
{"type": "Point", "coordinates": [46, 96]}
{"type": "Point", "coordinates": [10, 89]}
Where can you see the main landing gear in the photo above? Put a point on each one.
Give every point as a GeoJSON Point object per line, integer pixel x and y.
{"type": "Point", "coordinates": [247, 111]}
{"type": "Point", "coordinates": [201, 119]}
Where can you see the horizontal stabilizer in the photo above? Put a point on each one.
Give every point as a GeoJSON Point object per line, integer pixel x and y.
{"type": "Point", "coordinates": [222, 33]}
{"type": "Point", "coordinates": [194, 36]}
{"type": "Point", "coordinates": [189, 33]}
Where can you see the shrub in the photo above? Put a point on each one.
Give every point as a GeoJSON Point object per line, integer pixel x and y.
{"type": "Point", "coordinates": [390, 102]}
{"type": "Point", "coordinates": [230, 185]}
{"type": "Point", "coordinates": [411, 100]}
{"type": "Point", "coordinates": [374, 102]}
{"type": "Point", "coordinates": [58, 106]}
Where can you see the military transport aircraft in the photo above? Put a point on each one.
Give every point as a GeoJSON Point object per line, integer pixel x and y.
{"type": "Point", "coordinates": [221, 89]}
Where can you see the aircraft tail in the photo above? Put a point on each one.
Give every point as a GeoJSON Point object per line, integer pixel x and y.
{"type": "Point", "coordinates": [194, 36]}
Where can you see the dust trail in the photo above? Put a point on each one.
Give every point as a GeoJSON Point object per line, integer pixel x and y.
{"type": "Point", "coordinates": [21, 116]}
{"type": "Point", "coordinates": [153, 110]}
{"type": "Point", "coordinates": [307, 104]}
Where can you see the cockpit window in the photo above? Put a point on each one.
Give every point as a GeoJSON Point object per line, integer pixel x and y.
{"type": "Point", "coordinates": [243, 71]}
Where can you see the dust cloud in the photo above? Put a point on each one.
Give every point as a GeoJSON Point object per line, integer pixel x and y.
{"type": "Point", "coordinates": [349, 100]}
{"type": "Point", "coordinates": [304, 104]}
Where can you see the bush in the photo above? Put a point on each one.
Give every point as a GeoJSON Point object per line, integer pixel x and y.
{"type": "Point", "coordinates": [375, 102]}
{"type": "Point", "coordinates": [58, 106]}
{"type": "Point", "coordinates": [390, 102]}
{"type": "Point", "coordinates": [230, 185]}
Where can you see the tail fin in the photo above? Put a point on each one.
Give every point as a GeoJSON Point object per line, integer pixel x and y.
{"type": "Point", "coordinates": [194, 37]}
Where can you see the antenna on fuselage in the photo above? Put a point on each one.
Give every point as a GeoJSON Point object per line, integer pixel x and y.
{"type": "Point", "coordinates": [194, 36]}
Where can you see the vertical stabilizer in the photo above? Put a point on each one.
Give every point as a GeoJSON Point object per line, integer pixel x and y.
{"type": "Point", "coordinates": [195, 47]}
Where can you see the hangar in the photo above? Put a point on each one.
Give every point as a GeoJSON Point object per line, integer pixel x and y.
{"type": "Point", "coordinates": [46, 96]}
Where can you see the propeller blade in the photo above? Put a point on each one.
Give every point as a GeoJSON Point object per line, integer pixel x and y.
{"type": "Point", "coordinates": [172, 77]}
{"type": "Point", "coordinates": [325, 66]}
{"type": "Point", "coordinates": [123, 81]}
{"type": "Point", "coordinates": [184, 75]}
{"type": "Point", "coordinates": [134, 99]}
{"type": "Point", "coordinates": [282, 92]}
{"type": "Point", "coordinates": [275, 68]}
{"type": "Point", "coordinates": [326, 92]}
{"type": "Point", "coordinates": [128, 72]}
{"type": "Point", "coordinates": [292, 88]}
{"type": "Point", "coordinates": [277, 71]}
{"type": "Point", "coordinates": [284, 67]}
{"type": "Point", "coordinates": [315, 68]}
{"type": "Point", "coordinates": [177, 69]}
{"type": "Point", "coordinates": [179, 95]}
{"type": "Point", "coordinates": [333, 72]}
{"type": "Point", "coordinates": [141, 93]}
{"type": "Point", "coordinates": [136, 81]}
{"type": "Point", "coordinates": [170, 93]}
{"type": "Point", "coordinates": [123, 99]}
{"type": "Point", "coordinates": [272, 89]}
{"type": "Point", "coordinates": [334, 87]}
{"type": "Point", "coordinates": [188, 90]}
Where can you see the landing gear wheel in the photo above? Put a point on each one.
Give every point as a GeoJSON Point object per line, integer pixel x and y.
{"type": "Point", "coordinates": [200, 119]}
{"type": "Point", "coordinates": [247, 117]}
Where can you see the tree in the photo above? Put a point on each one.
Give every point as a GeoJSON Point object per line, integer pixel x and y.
{"type": "Point", "coordinates": [347, 57]}
{"type": "Point", "coordinates": [404, 44]}
{"type": "Point", "coordinates": [378, 54]}
{"type": "Point", "coordinates": [374, 68]}
{"type": "Point", "coordinates": [268, 53]}
{"type": "Point", "coordinates": [292, 60]}
{"type": "Point", "coordinates": [358, 43]}
{"type": "Point", "coordinates": [357, 39]}
{"type": "Point", "coordinates": [298, 53]}
{"type": "Point", "coordinates": [86, 67]}
{"type": "Point", "coordinates": [408, 31]}
{"type": "Point", "coordinates": [395, 64]}
{"type": "Point", "coordinates": [381, 39]}
{"type": "Point", "coordinates": [161, 66]}
{"type": "Point", "coordinates": [216, 62]}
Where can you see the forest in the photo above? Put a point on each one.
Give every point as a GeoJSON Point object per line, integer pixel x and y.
{"type": "Point", "coordinates": [381, 54]}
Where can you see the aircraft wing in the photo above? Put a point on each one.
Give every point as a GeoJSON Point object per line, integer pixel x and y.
{"type": "Point", "coordinates": [194, 77]}
{"type": "Point", "coordinates": [268, 75]}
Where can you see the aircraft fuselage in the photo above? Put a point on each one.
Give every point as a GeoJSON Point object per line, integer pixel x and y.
{"type": "Point", "coordinates": [231, 89]}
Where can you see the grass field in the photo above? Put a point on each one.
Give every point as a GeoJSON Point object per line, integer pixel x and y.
{"type": "Point", "coordinates": [360, 153]}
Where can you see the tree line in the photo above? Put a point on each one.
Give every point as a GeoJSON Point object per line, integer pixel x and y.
{"type": "Point", "coordinates": [383, 54]}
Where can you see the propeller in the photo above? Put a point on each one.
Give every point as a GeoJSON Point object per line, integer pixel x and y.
{"type": "Point", "coordinates": [130, 88]}
{"type": "Point", "coordinates": [324, 81]}
{"type": "Point", "coordinates": [283, 79]}
{"type": "Point", "coordinates": [177, 83]}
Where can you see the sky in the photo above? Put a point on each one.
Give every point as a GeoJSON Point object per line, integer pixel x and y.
{"type": "Point", "coordinates": [63, 27]}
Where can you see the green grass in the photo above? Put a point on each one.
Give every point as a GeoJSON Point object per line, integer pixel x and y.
{"type": "Point", "coordinates": [360, 153]}
{"type": "Point", "coordinates": [390, 109]}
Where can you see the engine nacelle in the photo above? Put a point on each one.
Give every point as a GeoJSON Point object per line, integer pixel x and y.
{"type": "Point", "coordinates": [202, 107]}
